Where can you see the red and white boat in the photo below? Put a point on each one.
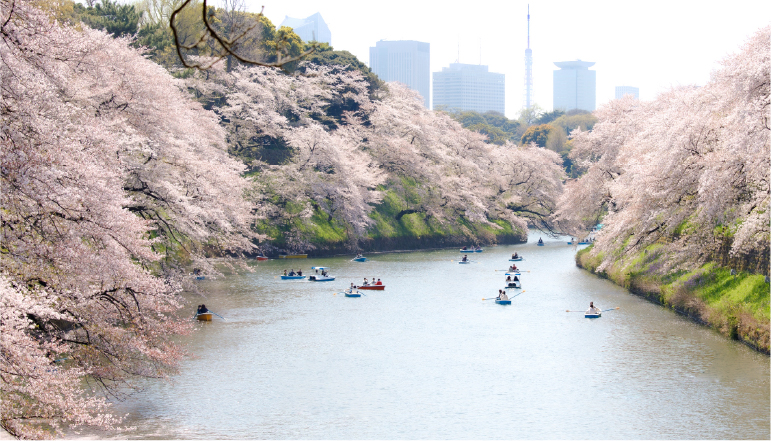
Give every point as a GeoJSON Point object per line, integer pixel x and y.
{"type": "Point", "coordinates": [373, 287]}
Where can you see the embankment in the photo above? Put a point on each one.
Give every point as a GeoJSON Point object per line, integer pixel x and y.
{"type": "Point", "coordinates": [735, 305]}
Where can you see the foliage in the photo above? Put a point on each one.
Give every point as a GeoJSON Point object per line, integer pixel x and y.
{"type": "Point", "coordinates": [115, 19]}
{"type": "Point", "coordinates": [547, 117]}
{"type": "Point", "coordinates": [699, 155]}
{"type": "Point", "coordinates": [494, 125]}
{"type": "Point", "coordinates": [537, 135]}
{"type": "Point", "coordinates": [325, 55]}
{"type": "Point", "coordinates": [105, 162]}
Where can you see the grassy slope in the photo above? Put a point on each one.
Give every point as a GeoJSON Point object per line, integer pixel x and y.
{"type": "Point", "coordinates": [735, 305]}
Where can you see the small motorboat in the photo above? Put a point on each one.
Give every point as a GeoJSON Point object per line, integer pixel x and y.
{"type": "Point", "coordinates": [513, 284]}
{"type": "Point", "coordinates": [322, 277]}
{"type": "Point", "coordinates": [372, 287]}
{"type": "Point", "coordinates": [352, 294]}
{"type": "Point", "coordinates": [503, 302]}
{"type": "Point", "coordinates": [204, 316]}
{"type": "Point", "coordinates": [292, 277]}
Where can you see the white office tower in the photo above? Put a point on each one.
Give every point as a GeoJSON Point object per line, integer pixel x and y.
{"type": "Point", "coordinates": [405, 61]}
{"type": "Point", "coordinates": [627, 90]}
{"type": "Point", "coordinates": [469, 87]}
{"type": "Point", "coordinates": [313, 28]}
{"type": "Point", "coordinates": [575, 86]}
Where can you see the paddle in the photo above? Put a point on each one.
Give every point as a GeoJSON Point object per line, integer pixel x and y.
{"type": "Point", "coordinates": [611, 309]}
{"type": "Point", "coordinates": [223, 318]}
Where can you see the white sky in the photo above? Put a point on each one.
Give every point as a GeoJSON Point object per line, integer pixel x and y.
{"type": "Point", "coordinates": [652, 45]}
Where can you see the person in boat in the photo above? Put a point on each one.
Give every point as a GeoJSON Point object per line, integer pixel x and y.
{"type": "Point", "coordinates": [299, 272]}
{"type": "Point", "coordinates": [516, 279]}
{"type": "Point", "coordinates": [503, 296]}
{"type": "Point", "coordinates": [202, 309]}
{"type": "Point", "coordinates": [464, 259]}
{"type": "Point", "coordinates": [513, 268]}
{"type": "Point", "coordinates": [317, 271]}
{"type": "Point", "coordinates": [464, 248]}
{"type": "Point", "coordinates": [593, 309]}
{"type": "Point", "coordinates": [324, 273]}
{"type": "Point", "coordinates": [351, 288]}
{"type": "Point", "coordinates": [366, 282]}
{"type": "Point", "coordinates": [291, 272]}
{"type": "Point", "coordinates": [540, 240]}
{"type": "Point", "coordinates": [284, 272]}
{"type": "Point", "coordinates": [508, 278]}
{"type": "Point", "coordinates": [378, 282]}
{"type": "Point", "coordinates": [515, 256]}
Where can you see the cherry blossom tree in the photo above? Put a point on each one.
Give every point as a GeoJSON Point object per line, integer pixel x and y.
{"type": "Point", "coordinates": [111, 178]}
{"type": "Point", "coordinates": [691, 167]}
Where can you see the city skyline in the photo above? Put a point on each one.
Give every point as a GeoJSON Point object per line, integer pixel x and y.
{"type": "Point", "coordinates": [469, 87]}
{"type": "Point", "coordinates": [685, 48]}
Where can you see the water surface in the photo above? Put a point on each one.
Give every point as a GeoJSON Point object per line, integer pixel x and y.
{"type": "Point", "coordinates": [429, 359]}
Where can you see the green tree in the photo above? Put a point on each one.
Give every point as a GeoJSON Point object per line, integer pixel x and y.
{"type": "Point", "coordinates": [537, 134]}
{"type": "Point", "coordinates": [528, 116]}
{"type": "Point", "coordinates": [116, 19]}
{"type": "Point", "coordinates": [548, 117]}
{"type": "Point", "coordinates": [494, 134]}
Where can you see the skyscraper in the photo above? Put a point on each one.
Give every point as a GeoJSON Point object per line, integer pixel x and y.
{"type": "Point", "coordinates": [312, 28]}
{"type": "Point", "coordinates": [469, 87]}
{"type": "Point", "coordinates": [627, 90]}
{"type": "Point", "coordinates": [405, 61]}
{"type": "Point", "coordinates": [575, 86]}
{"type": "Point", "coordinates": [528, 67]}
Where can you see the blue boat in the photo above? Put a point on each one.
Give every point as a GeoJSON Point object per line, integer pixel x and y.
{"type": "Point", "coordinates": [467, 251]}
{"type": "Point", "coordinates": [292, 277]}
{"type": "Point", "coordinates": [518, 259]}
{"type": "Point", "coordinates": [200, 277]}
{"type": "Point", "coordinates": [540, 244]}
{"type": "Point", "coordinates": [479, 250]}
{"type": "Point", "coordinates": [597, 315]}
{"type": "Point", "coordinates": [464, 261]}
{"type": "Point", "coordinates": [353, 294]}
{"type": "Point", "coordinates": [503, 302]}
{"type": "Point", "coordinates": [359, 258]}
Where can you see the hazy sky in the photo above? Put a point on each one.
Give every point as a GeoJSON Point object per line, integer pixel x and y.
{"type": "Point", "coordinates": [652, 45]}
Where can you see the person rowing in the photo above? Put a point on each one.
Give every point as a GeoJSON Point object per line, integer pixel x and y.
{"type": "Point", "coordinates": [540, 240]}
{"type": "Point", "coordinates": [503, 296]}
{"type": "Point", "coordinates": [515, 256]}
{"type": "Point", "coordinates": [464, 248]}
{"type": "Point", "coordinates": [513, 267]}
{"type": "Point", "coordinates": [202, 309]}
{"type": "Point", "coordinates": [291, 272]}
{"type": "Point", "coordinates": [593, 309]}
{"type": "Point", "coordinates": [299, 272]}
{"type": "Point", "coordinates": [366, 282]}
{"type": "Point", "coordinates": [465, 259]}
{"type": "Point", "coordinates": [284, 272]}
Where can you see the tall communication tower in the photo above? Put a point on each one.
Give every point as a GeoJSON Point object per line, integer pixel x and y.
{"type": "Point", "coordinates": [528, 67]}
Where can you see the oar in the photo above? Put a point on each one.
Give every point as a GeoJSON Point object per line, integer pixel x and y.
{"type": "Point", "coordinates": [567, 310]}
{"type": "Point", "coordinates": [611, 309]}
{"type": "Point", "coordinates": [223, 318]}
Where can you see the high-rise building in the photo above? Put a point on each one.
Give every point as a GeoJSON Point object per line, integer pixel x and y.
{"type": "Point", "coordinates": [575, 86]}
{"type": "Point", "coordinates": [528, 67]}
{"type": "Point", "coordinates": [405, 61]}
{"type": "Point", "coordinates": [469, 87]}
{"type": "Point", "coordinates": [313, 28]}
{"type": "Point", "coordinates": [627, 90]}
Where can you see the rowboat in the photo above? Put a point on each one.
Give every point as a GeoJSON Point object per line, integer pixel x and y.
{"type": "Point", "coordinates": [467, 251]}
{"type": "Point", "coordinates": [540, 244]}
{"type": "Point", "coordinates": [464, 261]}
{"type": "Point", "coordinates": [596, 315]}
{"type": "Point", "coordinates": [372, 287]}
{"type": "Point", "coordinates": [518, 259]}
{"type": "Point", "coordinates": [293, 256]}
{"type": "Point", "coordinates": [478, 250]}
{"type": "Point", "coordinates": [503, 302]}
{"type": "Point", "coordinates": [353, 294]}
{"type": "Point", "coordinates": [360, 259]}
{"type": "Point", "coordinates": [204, 316]}
{"type": "Point", "coordinates": [292, 277]}
{"type": "Point", "coordinates": [261, 258]}
{"type": "Point", "coordinates": [200, 277]}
